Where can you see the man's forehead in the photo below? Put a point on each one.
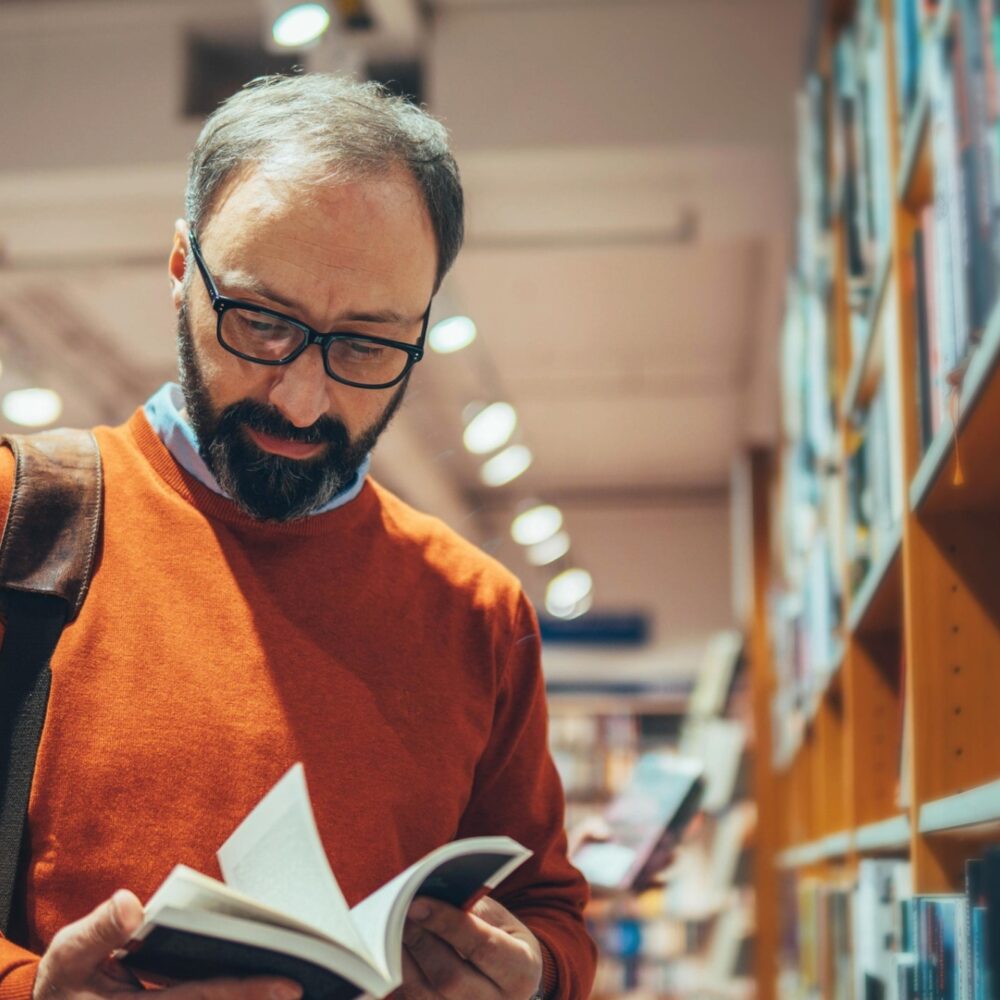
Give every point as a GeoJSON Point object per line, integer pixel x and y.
{"type": "Point", "coordinates": [333, 249]}
{"type": "Point", "coordinates": [319, 197]}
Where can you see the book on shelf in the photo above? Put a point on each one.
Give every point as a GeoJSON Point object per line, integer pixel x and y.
{"type": "Point", "coordinates": [875, 921]}
{"type": "Point", "coordinates": [281, 912]}
{"type": "Point", "coordinates": [900, 945]}
{"type": "Point", "coordinates": [848, 157]}
{"type": "Point", "coordinates": [990, 896]}
{"type": "Point", "coordinates": [919, 287]}
{"type": "Point", "coordinates": [875, 479]}
{"type": "Point", "coordinates": [908, 44]}
{"type": "Point", "coordinates": [958, 235]}
{"type": "Point", "coordinates": [716, 674]}
{"type": "Point", "coordinates": [732, 837]}
{"type": "Point", "coordinates": [719, 744]}
{"type": "Point", "coordinates": [872, 42]}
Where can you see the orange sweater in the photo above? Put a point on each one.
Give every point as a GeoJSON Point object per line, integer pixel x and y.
{"type": "Point", "coordinates": [395, 660]}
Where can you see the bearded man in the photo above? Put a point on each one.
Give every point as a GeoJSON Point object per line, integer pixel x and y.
{"type": "Point", "coordinates": [260, 600]}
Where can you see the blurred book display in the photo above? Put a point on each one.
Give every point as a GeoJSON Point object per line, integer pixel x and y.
{"type": "Point", "coordinates": [877, 536]}
{"type": "Point", "coordinates": [688, 933]}
{"type": "Point", "coordinates": [645, 823]}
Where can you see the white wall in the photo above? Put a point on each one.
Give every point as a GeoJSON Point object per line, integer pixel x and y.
{"type": "Point", "coordinates": [670, 561]}
{"type": "Point", "coordinates": [626, 72]}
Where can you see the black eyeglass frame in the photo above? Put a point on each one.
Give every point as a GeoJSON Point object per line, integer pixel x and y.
{"type": "Point", "coordinates": [222, 303]}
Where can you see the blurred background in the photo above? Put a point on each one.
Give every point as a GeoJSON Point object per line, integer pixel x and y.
{"type": "Point", "coordinates": [630, 173]}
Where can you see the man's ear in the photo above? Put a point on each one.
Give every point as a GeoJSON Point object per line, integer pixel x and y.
{"type": "Point", "coordinates": [177, 262]}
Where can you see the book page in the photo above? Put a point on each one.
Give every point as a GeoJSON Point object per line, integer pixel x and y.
{"type": "Point", "coordinates": [185, 889]}
{"type": "Point", "coordinates": [456, 873]}
{"type": "Point", "coordinates": [276, 856]}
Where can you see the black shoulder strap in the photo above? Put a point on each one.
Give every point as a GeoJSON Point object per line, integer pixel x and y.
{"type": "Point", "coordinates": [46, 559]}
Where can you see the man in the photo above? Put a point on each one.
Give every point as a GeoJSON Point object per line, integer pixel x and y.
{"type": "Point", "coordinates": [258, 600]}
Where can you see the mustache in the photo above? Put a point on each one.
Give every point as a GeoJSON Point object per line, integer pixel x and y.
{"type": "Point", "coordinates": [266, 419]}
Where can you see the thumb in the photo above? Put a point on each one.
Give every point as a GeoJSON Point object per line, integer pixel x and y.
{"type": "Point", "coordinates": [79, 948]}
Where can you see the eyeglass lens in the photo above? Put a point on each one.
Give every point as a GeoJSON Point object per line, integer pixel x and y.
{"type": "Point", "coordinates": [268, 338]}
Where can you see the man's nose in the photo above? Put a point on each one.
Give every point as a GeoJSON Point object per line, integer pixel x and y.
{"type": "Point", "coordinates": [300, 389]}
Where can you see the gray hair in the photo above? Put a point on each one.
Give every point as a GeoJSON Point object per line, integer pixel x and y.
{"type": "Point", "coordinates": [327, 124]}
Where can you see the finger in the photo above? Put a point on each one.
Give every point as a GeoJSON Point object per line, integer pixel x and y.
{"type": "Point", "coordinates": [444, 969]}
{"type": "Point", "coordinates": [490, 938]}
{"type": "Point", "coordinates": [415, 985]}
{"type": "Point", "coordinates": [256, 988]}
{"type": "Point", "coordinates": [81, 948]}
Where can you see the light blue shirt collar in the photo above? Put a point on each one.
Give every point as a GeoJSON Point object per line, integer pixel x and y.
{"type": "Point", "coordinates": [163, 411]}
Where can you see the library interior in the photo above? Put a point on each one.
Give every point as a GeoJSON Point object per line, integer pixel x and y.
{"type": "Point", "coordinates": [715, 376]}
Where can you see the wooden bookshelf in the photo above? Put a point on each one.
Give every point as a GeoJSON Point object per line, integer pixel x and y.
{"type": "Point", "coordinates": [886, 750]}
{"type": "Point", "coordinates": [876, 606]}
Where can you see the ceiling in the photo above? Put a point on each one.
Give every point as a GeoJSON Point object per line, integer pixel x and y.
{"type": "Point", "coordinates": [629, 171]}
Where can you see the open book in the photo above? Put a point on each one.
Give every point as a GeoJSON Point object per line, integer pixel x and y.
{"type": "Point", "coordinates": [645, 822]}
{"type": "Point", "coordinates": [281, 912]}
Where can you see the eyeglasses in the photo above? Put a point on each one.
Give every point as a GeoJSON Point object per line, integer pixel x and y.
{"type": "Point", "coordinates": [266, 337]}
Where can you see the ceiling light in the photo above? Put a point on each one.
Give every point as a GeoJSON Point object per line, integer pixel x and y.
{"type": "Point", "coordinates": [32, 407]}
{"type": "Point", "coordinates": [490, 428]}
{"type": "Point", "coordinates": [452, 334]}
{"type": "Point", "coordinates": [506, 465]}
{"type": "Point", "coordinates": [543, 553]}
{"type": "Point", "coordinates": [300, 24]}
{"type": "Point", "coordinates": [565, 591]}
{"type": "Point", "coordinates": [536, 525]}
{"type": "Point", "coordinates": [574, 611]}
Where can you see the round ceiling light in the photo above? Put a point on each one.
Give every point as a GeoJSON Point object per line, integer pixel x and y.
{"type": "Point", "coordinates": [490, 428]}
{"type": "Point", "coordinates": [300, 24]}
{"type": "Point", "coordinates": [32, 407]}
{"type": "Point", "coordinates": [568, 591]}
{"type": "Point", "coordinates": [573, 611]}
{"type": "Point", "coordinates": [543, 553]}
{"type": "Point", "coordinates": [452, 334]}
{"type": "Point", "coordinates": [506, 465]}
{"type": "Point", "coordinates": [536, 524]}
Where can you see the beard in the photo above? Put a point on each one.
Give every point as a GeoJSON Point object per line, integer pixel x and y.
{"type": "Point", "coordinates": [266, 486]}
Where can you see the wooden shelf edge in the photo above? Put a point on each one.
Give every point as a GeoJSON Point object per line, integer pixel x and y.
{"type": "Point", "coordinates": [877, 576]}
{"type": "Point", "coordinates": [889, 834]}
{"type": "Point", "coordinates": [862, 362]}
{"type": "Point", "coordinates": [913, 140]}
{"type": "Point", "coordinates": [885, 835]}
{"type": "Point", "coordinates": [976, 806]}
{"type": "Point", "coordinates": [829, 673]}
{"type": "Point", "coordinates": [797, 857]}
{"type": "Point", "coordinates": [982, 366]}
{"type": "Point", "coordinates": [833, 846]}
{"type": "Point", "coordinates": [836, 844]}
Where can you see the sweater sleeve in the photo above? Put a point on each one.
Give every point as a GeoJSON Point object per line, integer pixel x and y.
{"type": "Point", "coordinates": [17, 971]}
{"type": "Point", "coordinates": [517, 792]}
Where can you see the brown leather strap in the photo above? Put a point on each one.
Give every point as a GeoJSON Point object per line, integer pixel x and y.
{"type": "Point", "coordinates": [50, 539]}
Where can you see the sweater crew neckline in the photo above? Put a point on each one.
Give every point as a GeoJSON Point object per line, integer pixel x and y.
{"type": "Point", "coordinates": [221, 508]}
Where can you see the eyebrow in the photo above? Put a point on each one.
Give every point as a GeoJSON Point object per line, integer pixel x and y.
{"type": "Point", "coordinates": [243, 282]}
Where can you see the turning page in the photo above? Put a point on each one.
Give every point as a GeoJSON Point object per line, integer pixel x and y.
{"type": "Point", "coordinates": [276, 856]}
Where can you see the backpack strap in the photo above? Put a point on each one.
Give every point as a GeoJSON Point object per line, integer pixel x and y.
{"type": "Point", "coordinates": [47, 556]}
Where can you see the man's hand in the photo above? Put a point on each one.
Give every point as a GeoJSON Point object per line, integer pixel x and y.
{"type": "Point", "coordinates": [483, 954]}
{"type": "Point", "coordinates": [78, 964]}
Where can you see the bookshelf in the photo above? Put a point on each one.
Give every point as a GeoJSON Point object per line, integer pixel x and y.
{"type": "Point", "coordinates": [875, 633]}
